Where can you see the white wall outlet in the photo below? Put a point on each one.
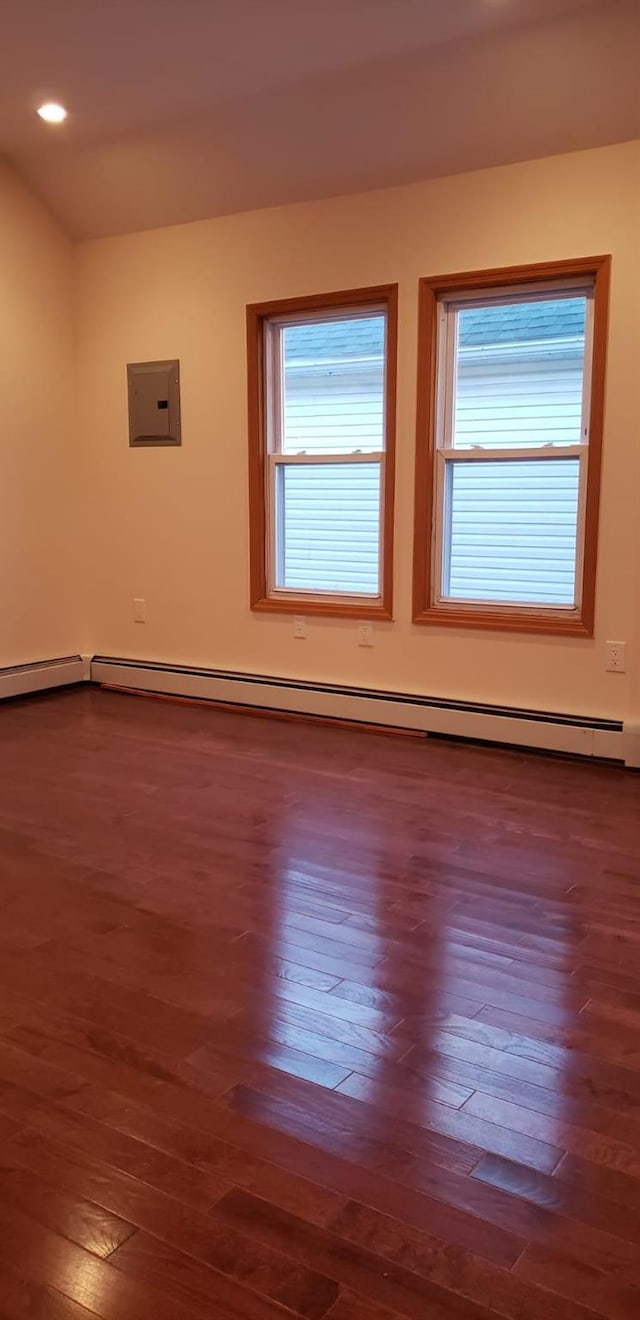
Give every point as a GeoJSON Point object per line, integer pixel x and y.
{"type": "Point", "coordinates": [299, 627]}
{"type": "Point", "coordinates": [365, 634]}
{"type": "Point", "coordinates": [616, 653]}
{"type": "Point", "coordinates": [140, 611]}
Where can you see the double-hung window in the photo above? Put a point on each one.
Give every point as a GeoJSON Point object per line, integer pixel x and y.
{"type": "Point", "coordinates": [510, 402]}
{"type": "Point", "coordinates": [321, 452]}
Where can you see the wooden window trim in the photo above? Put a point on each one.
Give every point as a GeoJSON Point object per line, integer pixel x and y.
{"type": "Point", "coordinates": [522, 619]}
{"type": "Point", "coordinates": [258, 314]}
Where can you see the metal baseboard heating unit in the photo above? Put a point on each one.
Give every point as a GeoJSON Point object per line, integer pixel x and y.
{"type": "Point", "coordinates": [20, 680]}
{"type": "Point", "coordinates": [541, 730]}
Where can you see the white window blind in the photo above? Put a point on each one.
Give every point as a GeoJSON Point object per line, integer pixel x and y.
{"type": "Point", "coordinates": [512, 447]}
{"type": "Point", "coordinates": [326, 445]}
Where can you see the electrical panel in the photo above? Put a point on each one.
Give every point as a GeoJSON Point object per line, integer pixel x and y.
{"type": "Point", "coordinates": [154, 403]}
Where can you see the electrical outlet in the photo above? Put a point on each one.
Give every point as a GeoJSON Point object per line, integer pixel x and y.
{"type": "Point", "coordinates": [299, 627]}
{"type": "Point", "coordinates": [140, 611]}
{"type": "Point", "coordinates": [365, 634]}
{"type": "Point", "coordinates": [616, 657]}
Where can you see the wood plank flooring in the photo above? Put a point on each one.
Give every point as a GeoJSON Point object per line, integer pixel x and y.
{"type": "Point", "coordinates": [305, 1021]}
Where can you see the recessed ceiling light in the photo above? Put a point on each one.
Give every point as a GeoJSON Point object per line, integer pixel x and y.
{"type": "Point", "coordinates": [52, 112]}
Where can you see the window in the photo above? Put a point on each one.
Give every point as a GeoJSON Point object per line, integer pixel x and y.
{"type": "Point", "coordinates": [510, 403]}
{"type": "Point", "coordinates": [321, 452]}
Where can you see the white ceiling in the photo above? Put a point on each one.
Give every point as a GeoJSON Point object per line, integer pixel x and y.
{"type": "Point", "coordinates": [184, 109]}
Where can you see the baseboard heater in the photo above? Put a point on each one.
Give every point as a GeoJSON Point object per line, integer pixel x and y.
{"type": "Point", "coordinates": [40, 675]}
{"type": "Point", "coordinates": [504, 724]}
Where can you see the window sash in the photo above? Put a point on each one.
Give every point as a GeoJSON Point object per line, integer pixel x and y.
{"type": "Point", "coordinates": [314, 460]}
{"type": "Point", "coordinates": [445, 454]}
{"type": "Point", "coordinates": [275, 525]}
{"type": "Point", "coordinates": [275, 373]}
{"type": "Point", "coordinates": [445, 459]}
{"type": "Point", "coordinates": [276, 457]}
{"type": "Point", "coordinates": [447, 347]}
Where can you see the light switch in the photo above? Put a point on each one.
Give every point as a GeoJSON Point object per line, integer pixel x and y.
{"type": "Point", "coordinates": [154, 403]}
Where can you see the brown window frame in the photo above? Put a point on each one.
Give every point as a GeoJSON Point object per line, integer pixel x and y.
{"type": "Point", "coordinates": [258, 317]}
{"type": "Point", "coordinates": [512, 618]}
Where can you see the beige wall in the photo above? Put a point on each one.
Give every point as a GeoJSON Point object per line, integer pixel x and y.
{"type": "Point", "coordinates": [38, 596]}
{"type": "Point", "coordinates": [170, 525]}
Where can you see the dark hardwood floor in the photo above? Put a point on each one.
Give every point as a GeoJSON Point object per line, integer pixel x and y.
{"type": "Point", "coordinates": [306, 1020]}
